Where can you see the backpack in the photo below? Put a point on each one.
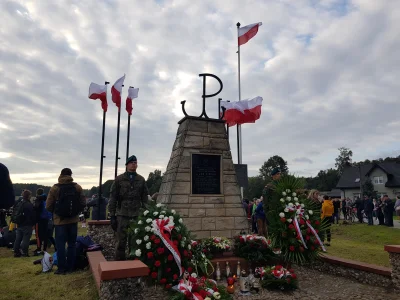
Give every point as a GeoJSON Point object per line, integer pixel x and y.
{"type": "Point", "coordinates": [68, 203]}
{"type": "Point", "coordinates": [44, 213]}
{"type": "Point", "coordinates": [18, 212]}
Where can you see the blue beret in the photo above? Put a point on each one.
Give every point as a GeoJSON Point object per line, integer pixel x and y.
{"type": "Point", "coordinates": [275, 171]}
{"type": "Point", "coordinates": [131, 158]}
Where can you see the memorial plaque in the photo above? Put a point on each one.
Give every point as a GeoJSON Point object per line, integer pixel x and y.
{"type": "Point", "coordinates": [241, 175]}
{"type": "Point", "coordinates": [206, 174]}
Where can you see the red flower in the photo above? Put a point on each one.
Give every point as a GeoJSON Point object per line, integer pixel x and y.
{"type": "Point", "coordinates": [302, 222]}
{"type": "Point", "coordinates": [291, 270]}
{"type": "Point", "coordinates": [170, 257]}
{"type": "Point", "coordinates": [288, 280]}
{"type": "Point", "coordinates": [154, 275]}
{"type": "Point", "coordinates": [160, 250]}
{"type": "Point", "coordinates": [204, 250]}
{"type": "Point", "coordinates": [153, 237]}
{"type": "Point", "coordinates": [157, 263]}
{"type": "Point", "coordinates": [190, 269]}
{"type": "Point", "coordinates": [163, 281]}
{"type": "Point", "coordinates": [294, 276]}
{"type": "Point", "coordinates": [188, 295]}
{"type": "Point", "coordinates": [179, 236]}
{"type": "Point", "coordinates": [157, 241]}
{"type": "Point", "coordinates": [317, 222]}
{"type": "Point", "coordinates": [291, 248]}
{"type": "Point", "coordinates": [168, 270]}
{"type": "Point", "coordinates": [215, 289]}
{"type": "Point", "coordinates": [307, 237]}
{"type": "Point", "coordinates": [150, 255]}
{"type": "Point", "coordinates": [168, 286]}
{"type": "Point", "coordinates": [175, 276]}
{"type": "Point", "coordinates": [241, 239]}
{"type": "Point", "coordinates": [175, 243]}
{"type": "Point", "coordinates": [278, 267]}
{"type": "Point", "coordinates": [308, 231]}
{"type": "Point", "coordinates": [203, 293]}
{"type": "Point", "coordinates": [185, 253]}
{"type": "Point", "coordinates": [283, 220]}
{"type": "Point", "coordinates": [291, 227]}
{"type": "Point", "coordinates": [316, 242]}
{"type": "Point", "coordinates": [192, 279]}
{"type": "Point", "coordinates": [312, 248]}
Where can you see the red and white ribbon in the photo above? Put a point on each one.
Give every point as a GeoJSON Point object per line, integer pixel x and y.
{"type": "Point", "coordinates": [316, 236]}
{"type": "Point", "coordinates": [183, 287]}
{"type": "Point", "coordinates": [160, 227]}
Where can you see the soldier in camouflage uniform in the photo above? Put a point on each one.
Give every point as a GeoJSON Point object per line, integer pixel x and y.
{"type": "Point", "coordinates": [269, 191]}
{"type": "Point", "coordinates": [128, 194]}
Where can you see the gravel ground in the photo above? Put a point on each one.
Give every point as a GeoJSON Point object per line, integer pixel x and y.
{"type": "Point", "coordinates": [317, 285]}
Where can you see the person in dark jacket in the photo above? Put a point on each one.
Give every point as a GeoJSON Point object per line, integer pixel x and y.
{"type": "Point", "coordinates": [7, 197]}
{"type": "Point", "coordinates": [99, 209]}
{"type": "Point", "coordinates": [42, 219]}
{"type": "Point", "coordinates": [261, 219]}
{"type": "Point", "coordinates": [360, 207]}
{"type": "Point", "coordinates": [24, 229]}
{"type": "Point", "coordinates": [368, 209]}
{"type": "Point", "coordinates": [388, 210]}
{"type": "Point", "coordinates": [336, 211]}
{"type": "Point", "coordinates": [379, 211]}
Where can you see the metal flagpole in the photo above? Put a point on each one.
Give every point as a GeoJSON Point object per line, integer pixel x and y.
{"type": "Point", "coordinates": [101, 160]}
{"type": "Point", "coordinates": [117, 148]}
{"type": "Point", "coordinates": [239, 127]}
{"type": "Point", "coordinates": [129, 132]}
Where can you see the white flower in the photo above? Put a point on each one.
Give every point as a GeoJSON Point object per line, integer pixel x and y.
{"type": "Point", "coordinates": [207, 298]}
{"type": "Point", "coordinates": [184, 238]}
{"type": "Point", "coordinates": [217, 295]}
{"type": "Point", "coordinates": [307, 217]}
{"type": "Point", "coordinates": [161, 217]}
{"type": "Point", "coordinates": [147, 228]}
{"type": "Point", "coordinates": [155, 213]}
{"type": "Point", "coordinates": [138, 252]}
{"type": "Point", "coordinates": [146, 238]}
{"type": "Point", "coordinates": [136, 230]}
{"type": "Point", "coordinates": [173, 211]}
{"type": "Point", "coordinates": [282, 200]}
{"type": "Point", "coordinates": [180, 221]}
{"type": "Point", "coordinates": [140, 222]}
{"type": "Point", "coordinates": [171, 217]}
{"type": "Point", "coordinates": [283, 194]}
{"type": "Point", "coordinates": [302, 205]}
{"type": "Point", "coordinates": [294, 194]}
{"type": "Point", "coordinates": [282, 215]}
{"type": "Point", "coordinates": [183, 244]}
{"type": "Point", "coordinates": [178, 228]}
{"type": "Point", "coordinates": [286, 210]}
{"type": "Point", "coordinates": [166, 218]}
{"type": "Point", "coordinates": [290, 204]}
{"type": "Point", "coordinates": [298, 211]}
{"type": "Point", "coordinates": [288, 191]}
{"type": "Point", "coordinates": [138, 242]}
{"type": "Point", "coordinates": [289, 220]}
{"type": "Point", "coordinates": [163, 212]}
{"type": "Point", "coordinates": [149, 220]}
{"type": "Point", "coordinates": [310, 212]}
{"type": "Point", "coordinates": [159, 205]}
{"type": "Point", "coordinates": [148, 245]}
{"type": "Point", "coordinates": [145, 212]}
{"type": "Point", "coordinates": [288, 198]}
{"type": "Point", "coordinates": [297, 203]}
{"type": "Point", "coordinates": [296, 199]}
{"type": "Point", "coordinates": [194, 275]}
{"type": "Point", "coordinates": [189, 247]}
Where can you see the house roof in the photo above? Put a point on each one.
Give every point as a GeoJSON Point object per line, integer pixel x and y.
{"type": "Point", "coordinates": [351, 174]}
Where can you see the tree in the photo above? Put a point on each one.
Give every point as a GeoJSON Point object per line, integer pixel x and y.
{"type": "Point", "coordinates": [255, 188]}
{"type": "Point", "coordinates": [368, 189]}
{"type": "Point", "coordinates": [344, 159]}
{"type": "Point", "coordinates": [153, 182]}
{"type": "Point", "coordinates": [273, 162]}
{"type": "Point", "coordinates": [326, 180]}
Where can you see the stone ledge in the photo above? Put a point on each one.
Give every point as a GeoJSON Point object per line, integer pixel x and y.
{"type": "Point", "coordinates": [100, 222]}
{"type": "Point", "coordinates": [95, 258]}
{"type": "Point", "coordinates": [110, 270]}
{"type": "Point", "coordinates": [357, 265]}
{"type": "Point", "coordinates": [392, 248]}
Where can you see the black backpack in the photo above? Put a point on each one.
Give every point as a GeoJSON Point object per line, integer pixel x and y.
{"type": "Point", "coordinates": [18, 212]}
{"type": "Point", "coordinates": [68, 202]}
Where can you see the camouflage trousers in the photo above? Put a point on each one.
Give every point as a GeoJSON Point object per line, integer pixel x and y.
{"type": "Point", "coordinates": [122, 236]}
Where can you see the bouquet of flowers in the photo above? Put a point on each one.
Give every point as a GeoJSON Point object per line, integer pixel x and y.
{"type": "Point", "coordinates": [277, 277]}
{"type": "Point", "coordinates": [216, 245]}
{"type": "Point", "coordinates": [294, 223]}
{"type": "Point", "coordinates": [252, 247]}
{"type": "Point", "coordinates": [201, 259]}
{"type": "Point", "coordinates": [160, 240]}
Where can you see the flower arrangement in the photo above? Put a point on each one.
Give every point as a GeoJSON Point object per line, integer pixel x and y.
{"type": "Point", "coordinates": [294, 223]}
{"type": "Point", "coordinates": [160, 240]}
{"type": "Point", "coordinates": [216, 245]}
{"type": "Point", "coordinates": [253, 248]}
{"type": "Point", "coordinates": [277, 277]}
{"type": "Point", "coordinates": [201, 259]}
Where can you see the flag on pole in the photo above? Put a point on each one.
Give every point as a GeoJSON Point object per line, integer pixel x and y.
{"type": "Point", "coordinates": [247, 32]}
{"type": "Point", "coordinates": [241, 112]}
{"type": "Point", "coordinates": [132, 94]}
{"type": "Point", "coordinates": [116, 91]}
{"type": "Point", "coordinates": [97, 91]}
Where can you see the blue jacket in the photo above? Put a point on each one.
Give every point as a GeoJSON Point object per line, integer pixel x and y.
{"type": "Point", "coordinates": [260, 211]}
{"type": "Point", "coordinates": [96, 209]}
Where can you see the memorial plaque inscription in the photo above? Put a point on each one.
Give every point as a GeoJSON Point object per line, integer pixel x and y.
{"type": "Point", "coordinates": [206, 174]}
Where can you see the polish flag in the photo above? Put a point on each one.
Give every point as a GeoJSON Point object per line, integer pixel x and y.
{"type": "Point", "coordinates": [132, 94]}
{"type": "Point", "coordinates": [247, 32]}
{"type": "Point", "coordinates": [97, 91]}
{"type": "Point", "coordinates": [241, 112]}
{"type": "Point", "coordinates": [116, 91]}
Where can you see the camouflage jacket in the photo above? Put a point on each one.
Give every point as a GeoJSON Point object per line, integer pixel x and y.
{"type": "Point", "coordinates": [127, 196]}
{"type": "Point", "coordinates": [268, 193]}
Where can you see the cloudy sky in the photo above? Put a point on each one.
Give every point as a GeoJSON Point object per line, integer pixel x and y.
{"type": "Point", "coordinates": [328, 71]}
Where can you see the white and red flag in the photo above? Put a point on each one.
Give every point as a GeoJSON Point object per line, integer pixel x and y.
{"type": "Point", "coordinates": [97, 91]}
{"type": "Point", "coordinates": [132, 94]}
{"type": "Point", "coordinates": [240, 112]}
{"type": "Point", "coordinates": [247, 32]}
{"type": "Point", "coordinates": [116, 91]}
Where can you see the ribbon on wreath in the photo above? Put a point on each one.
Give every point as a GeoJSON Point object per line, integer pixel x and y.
{"type": "Point", "coordinates": [187, 289]}
{"type": "Point", "coordinates": [299, 213]}
{"type": "Point", "coordinates": [160, 227]}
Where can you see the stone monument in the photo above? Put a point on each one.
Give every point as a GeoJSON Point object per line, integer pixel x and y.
{"type": "Point", "coordinates": [200, 181]}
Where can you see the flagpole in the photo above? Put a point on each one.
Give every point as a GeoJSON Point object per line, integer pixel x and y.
{"type": "Point", "coordinates": [129, 133]}
{"type": "Point", "coordinates": [117, 148]}
{"type": "Point", "coordinates": [101, 159]}
{"type": "Point", "coordinates": [239, 127]}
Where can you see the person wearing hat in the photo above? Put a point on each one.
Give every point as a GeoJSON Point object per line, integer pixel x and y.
{"type": "Point", "coordinates": [128, 194]}
{"type": "Point", "coordinates": [269, 190]}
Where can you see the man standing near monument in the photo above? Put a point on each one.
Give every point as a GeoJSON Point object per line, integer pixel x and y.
{"type": "Point", "coordinates": [128, 194]}
{"type": "Point", "coordinates": [269, 191]}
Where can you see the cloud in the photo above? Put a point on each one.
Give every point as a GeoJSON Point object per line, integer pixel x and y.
{"type": "Point", "coordinates": [327, 71]}
{"type": "Point", "coordinates": [303, 160]}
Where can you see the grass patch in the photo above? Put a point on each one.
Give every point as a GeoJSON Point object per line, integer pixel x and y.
{"type": "Point", "coordinates": [20, 279]}
{"type": "Point", "coordinates": [363, 243]}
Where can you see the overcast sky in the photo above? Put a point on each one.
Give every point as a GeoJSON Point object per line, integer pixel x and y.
{"type": "Point", "coordinates": [328, 72]}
